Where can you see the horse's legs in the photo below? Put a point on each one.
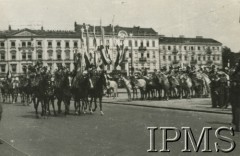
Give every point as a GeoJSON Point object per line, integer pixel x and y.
{"type": "Point", "coordinates": [59, 105]}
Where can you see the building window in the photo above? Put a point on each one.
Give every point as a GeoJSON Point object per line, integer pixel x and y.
{"type": "Point", "coordinates": [39, 43]}
{"type": "Point", "coordinates": [2, 44]}
{"type": "Point", "coordinates": [213, 58]}
{"type": "Point", "coordinates": [199, 58]}
{"type": "Point", "coordinates": [147, 43]}
{"type": "Point", "coordinates": [163, 47]}
{"type": "Point", "coordinates": [12, 44]}
{"type": "Point", "coordinates": [186, 58]}
{"type": "Point", "coordinates": [164, 57]}
{"type": "Point", "coordinates": [148, 55]}
{"type": "Point", "coordinates": [142, 55]}
{"type": "Point", "coordinates": [39, 56]}
{"type": "Point", "coordinates": [169, 58]}
{"type": "Point", "coordinates": [67, 44]}
{"type": "Point", "coordinates": [209, 58]}
{"type": "Point", "coordinates": [50, 44]}
{"type": "Point", "coordinates": [175, 57]}
{"type": "Point", "coordinates": [154, 54]}
{"type": "Point", "coordinates": [213, 48]}
{"type": "Point", "coordinates": [13, 56]}
{"type": "Point", "coordinates": [136, 43]}
{"type": "Point", "coordinates": [192, 58]}
{"type": "Point", "coordinates": [169, 47]}
{"type": "Point", "coordinates": [24, 56]}
{"type": "Point", "coordinates": [2, 56]}
{"type": "Point", "coordinates": [185, 47]}
{"type": "Point", "coordinates": [141, 43]}
{"type": "Point", "coordinates": [199, 48]}
{"type": "Point", "coordinates": [153, 43]}
{"type": "Point", "coordinates": [217, 48]}
{"type": "Point", "coordinates": [29, 56]}
{"type": "Point", "coordinates": [14, 68]}
{"type": "Point", "coordinates": [192, 48]}
{"type": "Point", "coordinates": [107, 42]}
{"type": "Point", "coordinates": [59, 57]}
{"type": "Point", "coordinates": [50, 55]}
{"type": "Point", "coordinates": [23, 44]}
{"type": "Point", "coordinates": [29, 44]}
{"type": "Point", "coordinates": [3, 68]}
{"type": "Point", "coordinates": [204, 58]}
{"type": "Point", "coordinates": [180, 57]}
{"type": "Point", "coordinates": [67, 55]}
{"type": "Point", "coordinates": [218, 58]}
{"type": "Point", "coordinates": [75, 44]}
{"type": "Point", "coordinates": [58, 44]}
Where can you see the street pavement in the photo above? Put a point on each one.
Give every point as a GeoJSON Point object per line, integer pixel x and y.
{"type": "Point", "coordinates": [122, 131]}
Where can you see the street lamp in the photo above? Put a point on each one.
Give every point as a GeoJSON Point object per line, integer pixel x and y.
{"type": "Point", "coordinates": [131, 53]}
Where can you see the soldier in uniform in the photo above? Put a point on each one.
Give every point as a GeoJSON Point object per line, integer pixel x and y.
{"type": "Point", "coordinates": [214, 86]}
{"type": "Point", "coordinates": [235, 97]}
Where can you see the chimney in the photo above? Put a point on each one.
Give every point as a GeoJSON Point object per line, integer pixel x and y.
{"type": "Point", "coordinates": [9, 28]}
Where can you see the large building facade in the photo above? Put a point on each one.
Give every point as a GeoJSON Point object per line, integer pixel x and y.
{"type": "Point", "coordinates": [145, 49]}
{"type": "Point", "coordinates": [20, 48]}
{"type": "Point", "coordinates": [181, 51]}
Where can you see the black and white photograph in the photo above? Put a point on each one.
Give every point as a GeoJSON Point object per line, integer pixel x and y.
{"type": "Point", "coordinates": [119, 77]}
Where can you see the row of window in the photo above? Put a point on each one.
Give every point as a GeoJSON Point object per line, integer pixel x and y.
{"type": "Point", "coordinates": [199, 58]}
{"type": "Point", "coordinates": [188, 47]}
{"type": "Point", "coordinates": [28, 56]}
{"type": "Point", "coordinates": [75, 43]}
{"type": "Point", "coordinates": [14, 67]}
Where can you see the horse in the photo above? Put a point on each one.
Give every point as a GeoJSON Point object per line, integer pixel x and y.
{"type": "Point", "coordinates": [127, 85]}
{"type": "Point", "coordinates": [99, 82]}
{"type": "Point", "coordinates": [80, 85]}
{"type": "Point", "coordinates": [139, 84]}
{"type": "Point", "coordinates": [164, 84]}
{"type": "Point", "coordinates": [174, 85]}
{"type": "Point", "coordinates": [112, 86]}
{"type": "Point", "coordinates": [185, 85]}
{"type": "Point", "coordinates": [62, 90]}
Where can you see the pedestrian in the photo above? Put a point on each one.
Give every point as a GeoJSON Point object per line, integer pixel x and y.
{"type": "Point", "coordinates": [1, 110]}
{"type": "Point", "coordinates": [235, 98]}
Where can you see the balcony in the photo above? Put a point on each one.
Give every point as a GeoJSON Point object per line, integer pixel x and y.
{"type": "Point", "coordinates": [143, 59]}
{"type": "Point", "coordinates": [175, 62]}
{"type": "Point", "coordinates": [193, 62]}
{"type": "Point", "coordinates": [142, 49]}
{"type": "Point", "coordinates": [2, 48]}
{"type": "Point", "coordinates": [26, 49]}
{"type": "Point", "coordinates": [175, 51]}
{"type": "Point", "coordinates": [209, 61]}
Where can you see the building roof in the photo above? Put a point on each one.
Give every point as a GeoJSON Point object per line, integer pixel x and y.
{"type": "Point", "coordinates": [38, 33]}
{"type": "Point", "coordinates": [183, 40]}
{"type": "Point", "coordinates": [136, 31]}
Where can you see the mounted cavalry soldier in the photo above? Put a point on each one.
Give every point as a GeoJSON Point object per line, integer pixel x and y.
{"type": "Point", "coordinates": [235, 97]}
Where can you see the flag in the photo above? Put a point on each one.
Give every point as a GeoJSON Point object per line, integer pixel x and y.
{"type": "Point", "coordinates": [87, 61]}
{"type": "Point", "coordinates": [122, 55]}
{"type": "Point", "coordinates": [9, 74]}
{"type": "Point", "coordinates": [117, 57]}
{"type": "Point", "coordinates": [81, 37]}
{"type": "Point", "coordinates": [102, 34]}
{"type": "Point", "coordinates": [94, 37]}
{"type": "Point", "coordinates": [87, 38]}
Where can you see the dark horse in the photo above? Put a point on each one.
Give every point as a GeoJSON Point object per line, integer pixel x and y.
{"type": "Point", "coordinates": [62, 90]}
{"type": "Point", "coordinates": [99, 81]}
{"type": "Point", "coordinates": [79, 89]}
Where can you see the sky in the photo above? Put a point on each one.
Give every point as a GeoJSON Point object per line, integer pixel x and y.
{"type": "Point", "coordinates": [217, 19]}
